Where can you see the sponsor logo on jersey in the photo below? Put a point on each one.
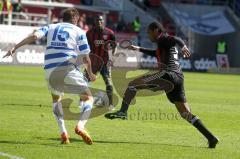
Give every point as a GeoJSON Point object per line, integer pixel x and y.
{"type": "Point", "coordinates": [98, 42]}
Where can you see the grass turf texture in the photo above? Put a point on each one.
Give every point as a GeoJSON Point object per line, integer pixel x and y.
{"type": "Point", "coordinates": [28, 128]}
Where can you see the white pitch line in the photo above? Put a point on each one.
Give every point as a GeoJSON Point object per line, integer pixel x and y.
{"type": "Point", "coordinates": [10, 156]}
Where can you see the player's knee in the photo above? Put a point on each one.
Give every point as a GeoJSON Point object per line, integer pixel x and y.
{"type": "Point", "coordinates": [56, 98]}
{"type": "Point", "coordinates": [130, 92]}
{"type": "Point", "coordinates": [87, 98]}
{"type": "Point", "coordinates": [90, 99]}
{"type": "Point", "coordinates": [131, 87]}
{"type": "Point", "coordinates": [84, 97]}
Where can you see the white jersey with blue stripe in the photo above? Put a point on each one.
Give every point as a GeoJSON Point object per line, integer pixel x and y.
{"type": "Point", "coordinates": [64, 41]}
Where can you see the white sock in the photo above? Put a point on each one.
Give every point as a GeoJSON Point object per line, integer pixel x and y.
{"type": "Point", "coordinates": [58, 113]}
{"type": "Point", "coordinates": [85, 113]}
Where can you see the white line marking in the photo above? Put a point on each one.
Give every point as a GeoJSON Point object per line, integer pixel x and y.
{"type": "Point", "coordinates": [10, 156]}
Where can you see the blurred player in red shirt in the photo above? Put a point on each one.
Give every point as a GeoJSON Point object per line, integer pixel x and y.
{"type": "Point", "coordinates": [102, 41]}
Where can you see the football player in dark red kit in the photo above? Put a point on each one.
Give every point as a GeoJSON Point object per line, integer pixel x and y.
{"type": "Point", "coordinates": [169, 78]}
{"type": "Point", "coordinates": [99, 39]}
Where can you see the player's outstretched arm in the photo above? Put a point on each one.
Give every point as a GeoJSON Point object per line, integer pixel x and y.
{"type": "Point", "coordinates": [25, 41]}
{"type": "Point", "coordinates": [133, 47]}
{"type": "Point", "coordinates": [146, 51]}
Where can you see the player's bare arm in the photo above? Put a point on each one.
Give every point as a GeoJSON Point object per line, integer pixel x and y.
{"type": "Point", "coordinates": [133, 47]}
{"type": "Point", "coordinates": [150, 52]}
{"type": "Point", "coordinates": [25, 41]}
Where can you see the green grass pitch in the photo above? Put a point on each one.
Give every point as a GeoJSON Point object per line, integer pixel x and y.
{"type": "Point", "coordinates": [28, 128]}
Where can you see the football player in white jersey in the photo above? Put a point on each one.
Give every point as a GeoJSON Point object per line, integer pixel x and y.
{"type": "Point", "coordinates": [65, 43]}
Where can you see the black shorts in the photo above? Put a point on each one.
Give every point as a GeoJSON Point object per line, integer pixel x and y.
{"type": "Point", "coordinates": [170, 82]}
{"type": "Point", "coordinates": [178, 93]}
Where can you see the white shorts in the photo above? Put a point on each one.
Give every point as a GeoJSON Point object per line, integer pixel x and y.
{"type": "Point", "coordinates": [72, 79]}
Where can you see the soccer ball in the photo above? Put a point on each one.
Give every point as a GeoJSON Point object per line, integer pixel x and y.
{"type": "Point", "coordinates": [100, 99]}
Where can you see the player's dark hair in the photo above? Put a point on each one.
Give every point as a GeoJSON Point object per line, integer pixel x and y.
{"type": "Point", "coordinates": [69, 14]}
{"type": "Point", "coordinates": [156, 25]}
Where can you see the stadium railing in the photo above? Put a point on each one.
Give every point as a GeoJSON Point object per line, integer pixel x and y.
{"type": "Point", "coordinates": [22, 18]}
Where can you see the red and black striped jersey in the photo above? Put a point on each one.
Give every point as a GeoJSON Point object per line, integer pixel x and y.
{"type": "Point", "coordinates": [98, 39]}
{"type": "Point", "coordinates": [166, 52]}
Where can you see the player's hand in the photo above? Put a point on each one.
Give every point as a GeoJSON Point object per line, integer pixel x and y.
{"type": "Point", "coordinates": [186, 53]}
{"type": "Point", "coordinates": [133, 47]}
{"type": "Point", "coordinates": [92, 77]}
{"type": "Point", "coordinates": [9, 53]}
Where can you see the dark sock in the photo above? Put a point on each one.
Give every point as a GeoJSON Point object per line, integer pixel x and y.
{"type": "Point", "coordinates": [109, 90]}
{"type": "Point", "coordinates": [124, 107]}
{"type": "Point", "coordinates": [128, 96]}
{"type": "Point", "coordinates": [110, 98]}
{"type": "Point", "coordinates": [197, 123]}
